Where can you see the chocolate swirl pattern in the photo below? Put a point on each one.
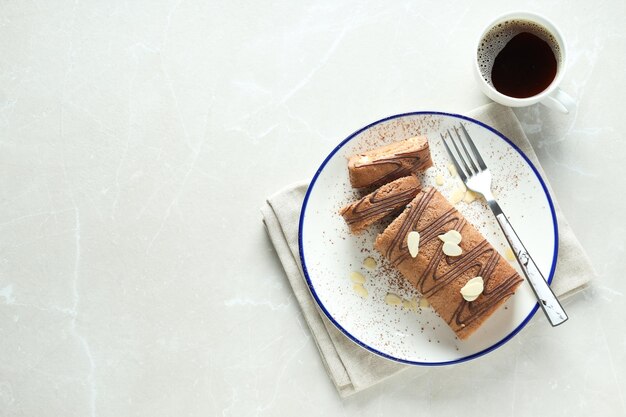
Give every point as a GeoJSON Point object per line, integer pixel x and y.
{"type": "Point", "coordinates": [439, 277]}
{"type": "Point", "coordinates": [387, 199]}
{"type": "Point", "coordinates": [394, 166]}
{"type": "Point", "coordinates": [387, 163]}
{"type": "Point", "coordinates": [373, 206]}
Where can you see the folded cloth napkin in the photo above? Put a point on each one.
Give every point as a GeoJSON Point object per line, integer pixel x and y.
{"type": "Point", "coordinates": [351, 367]}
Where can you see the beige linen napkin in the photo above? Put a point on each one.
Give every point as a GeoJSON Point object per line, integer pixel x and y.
{"type": "Point", "coordinates": [351, 367]}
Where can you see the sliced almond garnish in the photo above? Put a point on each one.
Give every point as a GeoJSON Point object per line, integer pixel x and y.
{"type": "Point", "coordinates": [406, 304]}
{"type": "Point", "coordinates": [451, 236]}
{"type": "Point", "coordinates": [413, 242]}
{"type": "Point", "coordinates": [469, 196]}
{"type": "Point", "coordinates": [369, 263]}
{"type": "Point", "coordinates": [360, 290]}
{"type": "Point", "coordinates": [472, 289]}
{"type": "Point", "coordinates": [452, 170]}
{"type": "Point", "coordinates": [452, 249]}
{"type": "Point", "coordinates": [509, 255]}
{"type": "Point", "coordinates": [424, 303]}
{"type": "Point", "coordinates": [357, 277]}
{"type": "Point", "coordinates": [457, 196]}
{"type": "Point", "coordinates": [393, 299]}
{"type": "Point", "coordinates": [439, 179]}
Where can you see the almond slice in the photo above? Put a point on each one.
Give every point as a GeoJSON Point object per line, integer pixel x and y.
{"type": "Point", "coordinates": [369, 263]}
{"type": "Point", "coordinates": [452, 249]}
{"type": "Point", "coordinates": [413, 242]}
{"type": "Point", "coordinates": [472, 289]}
{"type": "Point", "coordinates": [469, 196]}
{"type": "Point", "coordinates": [451, 236]}
{"type": "Point", "coordinates": [357, 277]}
{"type": "Point", "coordinates": [360, 289]}
{"type": "Point", "coordinates": [509, 255]}
{"type": "Point", "coordinates": [393, 300]}
{"type": "Point", "coordinates": [423, 303]}
{"type": "Point", "coordinates": [452, 170]}
{"type": "Point", "coordinates": [457, 196]}
{"type": "Point", "coordinates": [439, 179]}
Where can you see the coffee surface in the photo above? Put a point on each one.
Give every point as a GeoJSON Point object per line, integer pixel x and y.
{"type": "Point", "coordinates": [518, 70]}
{"type": "Point", "coordinates": [524, 67]}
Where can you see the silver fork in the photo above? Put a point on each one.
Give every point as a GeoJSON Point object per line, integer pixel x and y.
{"type": "Point", "coordinates": [477, 177]}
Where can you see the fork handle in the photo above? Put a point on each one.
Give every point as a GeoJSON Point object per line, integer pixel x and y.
{"type": "Point", "coordinates": [547, 300]}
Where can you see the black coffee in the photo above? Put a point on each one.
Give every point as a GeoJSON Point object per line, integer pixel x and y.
{"type": "Point", "coordinates": [519, 58]}
{"type": "Point", "coordinates": [524, 67]}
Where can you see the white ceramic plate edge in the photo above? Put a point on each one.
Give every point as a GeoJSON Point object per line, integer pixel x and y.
{"type": "Point", "coordinates": [371, 349]}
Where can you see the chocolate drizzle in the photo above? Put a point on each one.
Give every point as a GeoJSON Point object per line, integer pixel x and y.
{"type": "Point", "coordinates": [441, 270]}
{"type": "Point", "coordinates": [467, 312]}
{"type": "Point", "coordinates": [373, 206]}
{"type": "Point", "coordinates": [398, 249]}
{"type": "Point", "coordinates": [395, 166]}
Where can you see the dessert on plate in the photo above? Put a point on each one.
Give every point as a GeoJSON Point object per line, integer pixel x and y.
{"type": "Point", "coordinates": [379, 166]}
{"type": "Point", "coordinates": [441, 277]}
{"type": "Point", "coordinates": [430, 242]}
{"type": "Point", "coordinates": [386, 200]}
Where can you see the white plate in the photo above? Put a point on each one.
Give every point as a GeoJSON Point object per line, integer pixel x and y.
{"type": "Point", "coordinates": [329, 253]}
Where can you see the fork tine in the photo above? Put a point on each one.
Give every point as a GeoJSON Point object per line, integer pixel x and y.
{"type": "Point", "coordinates": [458, 152]}
{"type": "Point", "coordinates": [469, 158]}
{"type": "Point", "coordinates": [456, 164]}
{"type": "Point", "coordinates": [479, 158]}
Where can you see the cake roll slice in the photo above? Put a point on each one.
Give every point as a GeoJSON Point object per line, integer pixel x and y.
{"type": "Point", "coordinates": [439, 277]}
{"type": "Point", "coordinates": [387, 199]}
{"type": "Point", "coordinates": [387, 163]}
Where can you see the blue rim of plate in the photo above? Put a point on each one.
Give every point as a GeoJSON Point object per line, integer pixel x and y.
{"type": "Point", "coordinates": [371, 349]}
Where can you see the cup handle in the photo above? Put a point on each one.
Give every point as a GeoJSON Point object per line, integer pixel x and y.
{"type": "Point", "coordinates": [559, 100]}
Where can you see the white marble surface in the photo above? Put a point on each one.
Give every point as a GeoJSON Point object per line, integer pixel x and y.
{"type": "Point", "coordinates": [138, 140]}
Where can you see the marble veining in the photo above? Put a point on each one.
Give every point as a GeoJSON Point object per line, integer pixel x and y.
{"type": "Point", "coordinates": [138, 141]}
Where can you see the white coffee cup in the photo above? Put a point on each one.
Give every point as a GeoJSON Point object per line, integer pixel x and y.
{"type": "Point", "coordinates": [552, 97]}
